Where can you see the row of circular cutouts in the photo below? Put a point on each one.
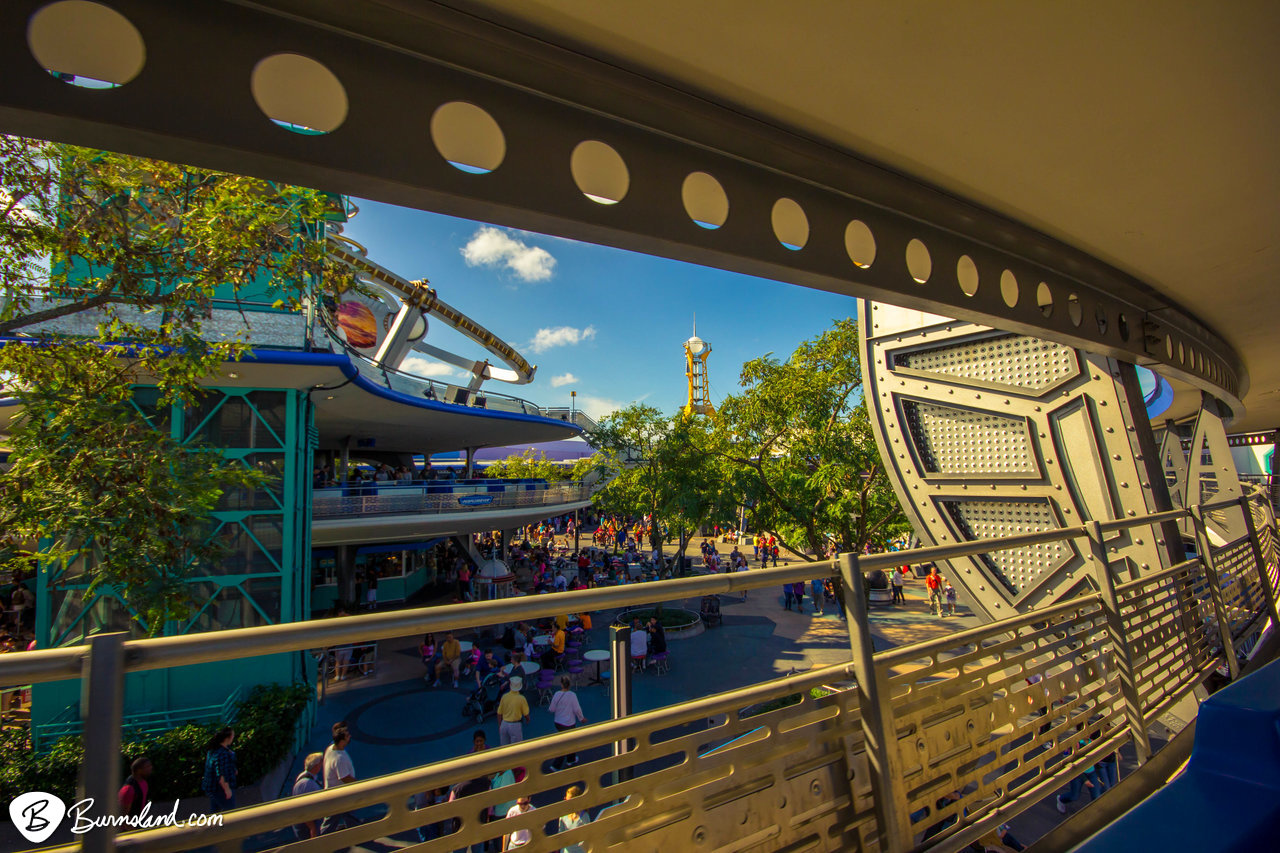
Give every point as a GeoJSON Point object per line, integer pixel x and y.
{"type": "Point", "coordinates": [89, 44]}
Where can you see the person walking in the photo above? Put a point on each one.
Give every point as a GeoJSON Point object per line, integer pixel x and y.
{"type": "Point", "coordinates": [573, 819]}
{"type": "Point", "coordinates": [135, 793]}
{"type": "Point", "coordinates": [219, 782]}
{"type": "Point", "coordinates": [513, 713]}
{"type": "Point", "coordinates": [520, 837]}
{"type": "Point", "coordinates": [896, 582]}
{"type": "Point", "coordinates": [816, 585]}
{"type": "Point", "coordinates": [934, 582]}
{"type": "Point", "coordinates": [950, 592]}
{"type": "Point", "coordinates": [310, 780]}
{"type": "Point", "coordinates": [338, 770]}
{"type": "Point", "coordinates": [787, 596]}
{"type": "Point", "coordinates": [566, 713]}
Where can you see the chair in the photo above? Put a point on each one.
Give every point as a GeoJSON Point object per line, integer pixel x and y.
{"type": "Point", "coordinates": [546, 686]}
{"type": "Point", "coordinates": [576, 668]}
{"type": "Point", "coordinates": [661, 663]}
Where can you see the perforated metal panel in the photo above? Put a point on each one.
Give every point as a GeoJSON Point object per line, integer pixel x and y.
{"type": "Point", "coordinates": [1015, 361]}
{"type": "Point", "coordinates": [989, 434]}
{"type": "Point", "coordinates": [1017, 568]}
{"type": "Point", "coordinates": [960, 441]}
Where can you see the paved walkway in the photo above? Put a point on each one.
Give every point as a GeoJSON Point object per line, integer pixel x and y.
{"type": "Point", "coordinates": [397, 721]}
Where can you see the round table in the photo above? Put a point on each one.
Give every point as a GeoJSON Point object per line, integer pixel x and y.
{"type": "Point", "coordinates": [599, 656]}
{"type": "Point", "coordinates": [542, 640]}
{"type": "Point", "coordinates": [528, 667]}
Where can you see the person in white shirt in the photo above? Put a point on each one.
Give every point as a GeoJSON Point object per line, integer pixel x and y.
{"type": "Point", "coordinates": [519, 837]}
{"type": "Point", "coordinates": [566, 713]}
{"type": "Point", "coordinates": [639, 645]}
{"type": "Point", "coordinates": [338, 770]}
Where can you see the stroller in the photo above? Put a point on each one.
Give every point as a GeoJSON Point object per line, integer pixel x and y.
{"type": "Point", "coordinates": [484, 700]}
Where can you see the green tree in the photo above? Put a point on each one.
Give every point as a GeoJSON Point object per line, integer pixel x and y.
{"type": "Point", "coordinates": [802, 449]}
{"type": "Point", "coordinates": [533, 464]}
{"type": "Point", "coordinates": [109, 266]}
{"type": "Point", "coordinates": [664, 470]}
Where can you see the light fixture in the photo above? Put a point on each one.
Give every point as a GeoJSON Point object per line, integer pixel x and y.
{"type": "Point", "coordinates": [330, 397]}
{"type": "Point", "coordinates": [233, 375]}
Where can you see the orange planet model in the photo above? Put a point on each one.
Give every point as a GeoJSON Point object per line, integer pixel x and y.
{"type": "Point", "coordinates": [357, 321]}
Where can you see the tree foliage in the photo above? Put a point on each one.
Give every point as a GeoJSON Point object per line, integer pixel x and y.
{"type": "Point", "coordinates": [800, 446]}
{"type": "Point", "coordinates": [534, 465]}
{"type": "Point", "coordinates": [664, 470]}
{"type": "Point", "coordinates": [109, 268]}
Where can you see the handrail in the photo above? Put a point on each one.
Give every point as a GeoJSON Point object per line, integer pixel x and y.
{"type": "Point", "coordinates": [1073, 656]}
{"type": "Point", "coordinates": [162, 652]}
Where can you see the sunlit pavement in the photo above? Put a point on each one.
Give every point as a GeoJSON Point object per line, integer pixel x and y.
{"type": "Point", "coordinates": [398, 721]}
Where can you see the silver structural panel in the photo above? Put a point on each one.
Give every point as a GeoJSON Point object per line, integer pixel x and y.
{"type": "Point", "coordinates": [987, 433]}
{"type": "Point", "coordinates": [853, 226]}
{"type": "Point", "coordinates": [1204, 471]}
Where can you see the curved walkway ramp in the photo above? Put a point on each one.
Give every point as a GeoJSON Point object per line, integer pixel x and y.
{"type": "Point", "coordinates": [384, 513]}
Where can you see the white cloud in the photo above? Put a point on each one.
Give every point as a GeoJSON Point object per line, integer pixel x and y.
{"type": "Point", "coordinates": [416, 365]}
{"type": "Point", "coordinates": [560, 336]}
{"type": "Point", "coordinates": [563, 379]}
{"type": "Point", "coordinates": [598, 407]}
{"type": "Point", "coordinates": [494, 248]}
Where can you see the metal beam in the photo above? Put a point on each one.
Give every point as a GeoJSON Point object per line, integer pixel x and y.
{"type": "Point", "coordinates": [397, 63]}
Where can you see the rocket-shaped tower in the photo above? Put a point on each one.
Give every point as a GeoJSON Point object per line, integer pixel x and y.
{"type": "Point", "coordinates": [696, 351]}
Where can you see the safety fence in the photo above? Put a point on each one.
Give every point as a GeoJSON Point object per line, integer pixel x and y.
{"type": "Point", "coordinates": [934, 746]}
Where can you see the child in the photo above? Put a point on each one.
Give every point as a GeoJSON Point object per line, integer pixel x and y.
{"type": "Point", "coordinates": [950, 592]}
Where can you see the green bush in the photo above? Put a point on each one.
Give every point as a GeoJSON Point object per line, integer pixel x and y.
{"type": "Point", "coordinates": [265, 723]}
{"type": "Point", "coordinates": [787, 701]}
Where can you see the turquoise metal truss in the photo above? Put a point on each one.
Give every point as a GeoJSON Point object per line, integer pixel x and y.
{"type": "Point", "coordinates": [262, 577]}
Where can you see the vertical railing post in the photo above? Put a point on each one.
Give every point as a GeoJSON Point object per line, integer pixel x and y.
{"type": "Point", "coordinates": [1215, 589]}
{"type": "Point", "coordinates": [1259, 561]}
{"type": "Point", "coordinates": [102, 710]}
{"type": "Point", "coordinates": [620, 688]}
{"type": "Point", "coordinates": [876, 712]}
{"type": "Point", "coordinates": [1119, 641]}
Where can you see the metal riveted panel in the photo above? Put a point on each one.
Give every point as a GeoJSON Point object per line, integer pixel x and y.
{"type": "Point", "coordinates": [422, 105]}
{"type": "Point", "coordinates": [989, 434]}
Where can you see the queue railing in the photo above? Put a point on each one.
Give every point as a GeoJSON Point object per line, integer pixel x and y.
{"type": "Point", "coordinates": [937, 743]}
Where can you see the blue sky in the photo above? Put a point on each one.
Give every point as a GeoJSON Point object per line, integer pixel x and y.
{"type": "Point", "coordinates": [604, 322]}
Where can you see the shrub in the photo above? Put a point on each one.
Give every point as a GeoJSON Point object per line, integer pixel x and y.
{"type": "Point", "coordinates": [785, 702]}
{"type": "Point", "coordinates": [265, 723]}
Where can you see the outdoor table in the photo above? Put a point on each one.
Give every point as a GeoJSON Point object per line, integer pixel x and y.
{"type": "Point", "coordinates": [597, 655]}
{"type": "Point", "coordinates": [527, 667]}
{"type": "Point", "coordinates": [465, 645]}
{"type": "Point", "coordinates": [542, 640]}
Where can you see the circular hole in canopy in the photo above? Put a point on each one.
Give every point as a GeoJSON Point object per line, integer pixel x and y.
{"type": "Point", "coordinates": [860, 244]}
{"type": "Point", "coordinates": [1009, 288]}
{"type": "Point", "coordinates": [1100, 314]}
{"type": "Point", "coordinates": [1044, 299]}
{"type": "Point", "coordinates": [299, 94]}
{"type": "Point", "coordinates": [967, 275]}
{"type": "Point", "coordinates": [86, 44]}
{"type": "Point", "coordinates": [468, 138]}
{"type": "Point", "coordinates": [1122, 326]}
{"type": "Point", "coordinates": [600, 172]}
{"type": "Point", "coordinates": [1182, 353]}
{"type": "Point", "coordinates": [1168, 346]}
{"type": "Point", "coordinates": [1074, 312]}
{"type": "Point", "coordinates": [790, 225]}
{"type": "Point", "coordinates": [705, 200]}
{"type": "Point", "coordinates": [919, 264]}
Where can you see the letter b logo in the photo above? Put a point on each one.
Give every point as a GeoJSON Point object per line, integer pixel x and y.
{"type": "Point", "coordinates": [37, 815]}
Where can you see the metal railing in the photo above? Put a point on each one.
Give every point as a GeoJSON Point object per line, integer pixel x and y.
{"type": "Point", "coordinates": [392, 499]}
{"type": "Point", "coordinates": [949, 737]}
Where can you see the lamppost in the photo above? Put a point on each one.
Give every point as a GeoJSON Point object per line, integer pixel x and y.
{"type": "Point", "coordinates": [573, 400]}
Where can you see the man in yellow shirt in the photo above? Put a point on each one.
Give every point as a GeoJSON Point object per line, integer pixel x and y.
{"type": "Point", "coordinates": [513, 713]}
{"type": "Point", "coordinates": [450, 658]}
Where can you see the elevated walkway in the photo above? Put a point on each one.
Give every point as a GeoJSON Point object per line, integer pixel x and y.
{"type": "Point", "coordinates": [384, 512]}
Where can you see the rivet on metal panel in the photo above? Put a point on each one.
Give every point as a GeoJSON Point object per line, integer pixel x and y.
{"type": "Point", "coordinates": [700, 835]}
